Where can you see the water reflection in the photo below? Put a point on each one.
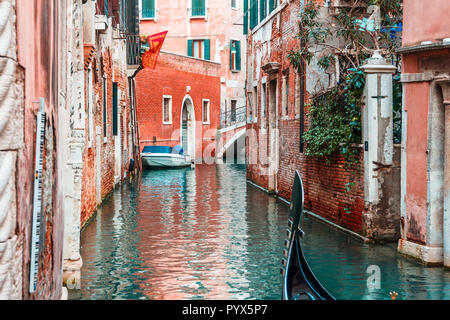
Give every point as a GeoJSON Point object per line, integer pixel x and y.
{"type": "Point", "coordinates": [207, 234]}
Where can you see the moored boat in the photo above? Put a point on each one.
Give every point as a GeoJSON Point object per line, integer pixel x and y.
{"type": "Point", "coordinates": [299, 282]}
{"type": "Point", "coordinates": [165, 157]}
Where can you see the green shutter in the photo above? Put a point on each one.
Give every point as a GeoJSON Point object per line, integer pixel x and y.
{"type": "Point", "coordinates": [115, 105]}
{"type": "Point", "coordinates": [231, 54]}
{"type": "Point", "coordinates": [272, 5]}
{"type": "Point", "coordinates": [262, 9]}
{"type": "Point", "coordinates": [253, 13]}
{"type": "Point", "coordinates": [245, 16]}
{"type": "Point", "coordinates": [207, 49]}
{"type": "Point", "coordinates": [238, 55]}
{"type": "Point", "coordinates": [198, 8]}
{"type": "Point", "coordinates": [148, 8]}
{"type": "Point", "coordinates": [190, 48]}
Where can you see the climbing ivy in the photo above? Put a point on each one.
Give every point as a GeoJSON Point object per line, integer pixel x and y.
{"type": "Point", "coordinates": [335, 120]}
{"type": "Point", "coordinates": [335, 114]}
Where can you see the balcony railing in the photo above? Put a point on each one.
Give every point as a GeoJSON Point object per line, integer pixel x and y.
{"type": "Point", "coordinates": [232, 117]}
{"type": "Point", "coordinates": [133, 50]}
{"type": "Point", "coordinates": [198, 11]}
{"type": "Point", "coordinates": [148, 13]}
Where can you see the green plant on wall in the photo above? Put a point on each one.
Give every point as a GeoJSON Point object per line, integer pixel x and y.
{"type": "Point", "coordinates": [335, 114]}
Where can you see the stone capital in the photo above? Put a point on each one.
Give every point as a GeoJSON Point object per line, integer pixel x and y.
{"type": "Point", "coordinates": [378, 64]}
{"type": "Point", "coordinates": [444, 82]}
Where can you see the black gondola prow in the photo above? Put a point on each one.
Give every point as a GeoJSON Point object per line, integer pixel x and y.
{"type": "Point", "coordinates": [299, 282]}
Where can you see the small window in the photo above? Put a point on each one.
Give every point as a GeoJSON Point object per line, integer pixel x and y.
{"type": "Point", "coordinates": [255, 103]}
{"type": "Point", "coordinates": [297, 94]}
{"type": "Point", "coordinates": [198, 8]}
{"type": "Point", "coordinates": [233, 110]}
{"type": "Point", "coordinates": [263, 100]}
{"type": "Point", "coordinates": [105, 89]}
{"type": "Point", "coordinates": [287, 95]}
{"type": "Point", "coordinates": [148, 9]}
{"type": "Point", "coordinates": [233, 4]}
{"type": "Point", "coordinates": [235, 55]}
{"type": "Point", "coordinates": [200, 49]}
{"type": "Point", "coordinates": [167, 110]}
{"type": "Point", "coordinates": [249, 107]}
{"type": "Point", "coordinates": [206, 115]}
{"type": "Point", "coordinates": [115, 108]}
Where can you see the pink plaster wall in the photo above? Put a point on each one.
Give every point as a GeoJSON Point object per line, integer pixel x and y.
{"type": "Point", "coordinates": [223, 24]}
{"type": "Point", "coordinates": [38, 28]}
{"type": "Point", "coordinates": [417, 96]}
{"type": "Point", "coordinates": [425, 20]}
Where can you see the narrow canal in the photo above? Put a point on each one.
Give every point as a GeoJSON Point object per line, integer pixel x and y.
{"type": "Point", "coordinates": [208, 234]}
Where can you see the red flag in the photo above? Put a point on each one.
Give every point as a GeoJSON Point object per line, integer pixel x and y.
{"type": "Point", "coordinates": [155, 43]}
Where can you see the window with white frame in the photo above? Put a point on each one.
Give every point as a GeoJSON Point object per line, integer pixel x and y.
{"type": "Point", "coordinates": [167, 110]}
{"type": "Point", "coordinates": [147, 9]}
{"type": "Point", "coordinates": [263, 100]}
{"type": "Point", "coordinates": [234, 4]}
{"type": "Point", "coordinates": [89, 106]}
{"type": "Point", "coordinates": [206, 114]}
{"type": "Point", "coordinates": [255, 103]}
{"type": "Point", "coordinates": [249, 107]}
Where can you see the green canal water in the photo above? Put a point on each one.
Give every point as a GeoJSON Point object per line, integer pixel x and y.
{"type": "Point", "coordinates": [208, 234]}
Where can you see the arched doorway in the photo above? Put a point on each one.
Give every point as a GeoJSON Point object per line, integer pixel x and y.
{"type": "Point", "coordinates": [188, 127]}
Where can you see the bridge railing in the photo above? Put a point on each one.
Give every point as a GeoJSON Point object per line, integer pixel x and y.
{"type": "Point", "coordinates": [232, 117]}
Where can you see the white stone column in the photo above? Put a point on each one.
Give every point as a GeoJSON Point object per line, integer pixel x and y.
{"type": "Point", "coordinates": [75, 146]}
{"type": "Point", "coordinates": [379, 147]}
{"type": "Point", "coordinates": [446, 219]}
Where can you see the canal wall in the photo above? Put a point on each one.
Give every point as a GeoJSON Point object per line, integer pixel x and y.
{"type": "Point", "coordinates": [364, 199]}
{"type": "Point", "coordinates": [108, 145]}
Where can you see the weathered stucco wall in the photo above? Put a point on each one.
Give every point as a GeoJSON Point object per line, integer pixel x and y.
{"type": "Point", "coordinates": [30, 68]}
{"type": "Point", "coordinates": [425, 21]}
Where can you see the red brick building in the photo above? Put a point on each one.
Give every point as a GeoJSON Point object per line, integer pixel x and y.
{"type": "Point", "coordinates": [109, 68]}
{"type": "Point", "coordinates": [181, 91]}
{"type": "Point", "coordinates": [277, 117]}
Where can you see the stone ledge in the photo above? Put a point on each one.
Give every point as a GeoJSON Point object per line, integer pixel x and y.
{"type": "Point", "coordinates": [430, 256]}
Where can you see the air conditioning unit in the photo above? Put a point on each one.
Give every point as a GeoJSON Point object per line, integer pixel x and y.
{"type": "Point", "coordinates": [101, 22]}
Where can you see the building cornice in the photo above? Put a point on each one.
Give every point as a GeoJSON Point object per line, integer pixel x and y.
{"type": "Point", "coordinates": [425, 47]}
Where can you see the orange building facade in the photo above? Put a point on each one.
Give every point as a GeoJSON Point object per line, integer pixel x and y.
{"type": "Point", "coordinates": [426, 132]}
{"type": "Point", "coordinates": [207, 37]}
{"type": "Point", "coordinates": [181, 90]}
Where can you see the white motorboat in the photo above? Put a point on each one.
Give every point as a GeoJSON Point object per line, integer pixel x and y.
{"type": "Point", "coordinates": [165, 157]}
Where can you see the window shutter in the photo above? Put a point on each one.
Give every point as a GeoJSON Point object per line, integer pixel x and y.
{"type": "Point", "coordinates": [272, 5]}
{"type": "Point", "coordinates": [207, 49]}
{"type": "Point", "coordinates": [245, 16]}
{"type": "Point", "coordinates": [106, 8]}
{"type": "Point", "coordinates": [253, 13]}
{"type": "Point", "coordinates": [148, 8]}
{"type": "Point", "coordinates": [262, 5]}
{"type": "Point", "coordinates": [238, 55]}
{"type": "Point", "coordinates": [198, 8]}
{"type": "Point", "coordinates": [104, 106]}
{"type": "Point", "coordinates": [190, 48]}
{"type": "Point", "coordinates": [231, 54]}
{"type": "Point", "coordinates": [115, 105]}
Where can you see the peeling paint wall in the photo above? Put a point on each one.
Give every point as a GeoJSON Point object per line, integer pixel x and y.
{"type": "Point", "coordinates": [31, 38]}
